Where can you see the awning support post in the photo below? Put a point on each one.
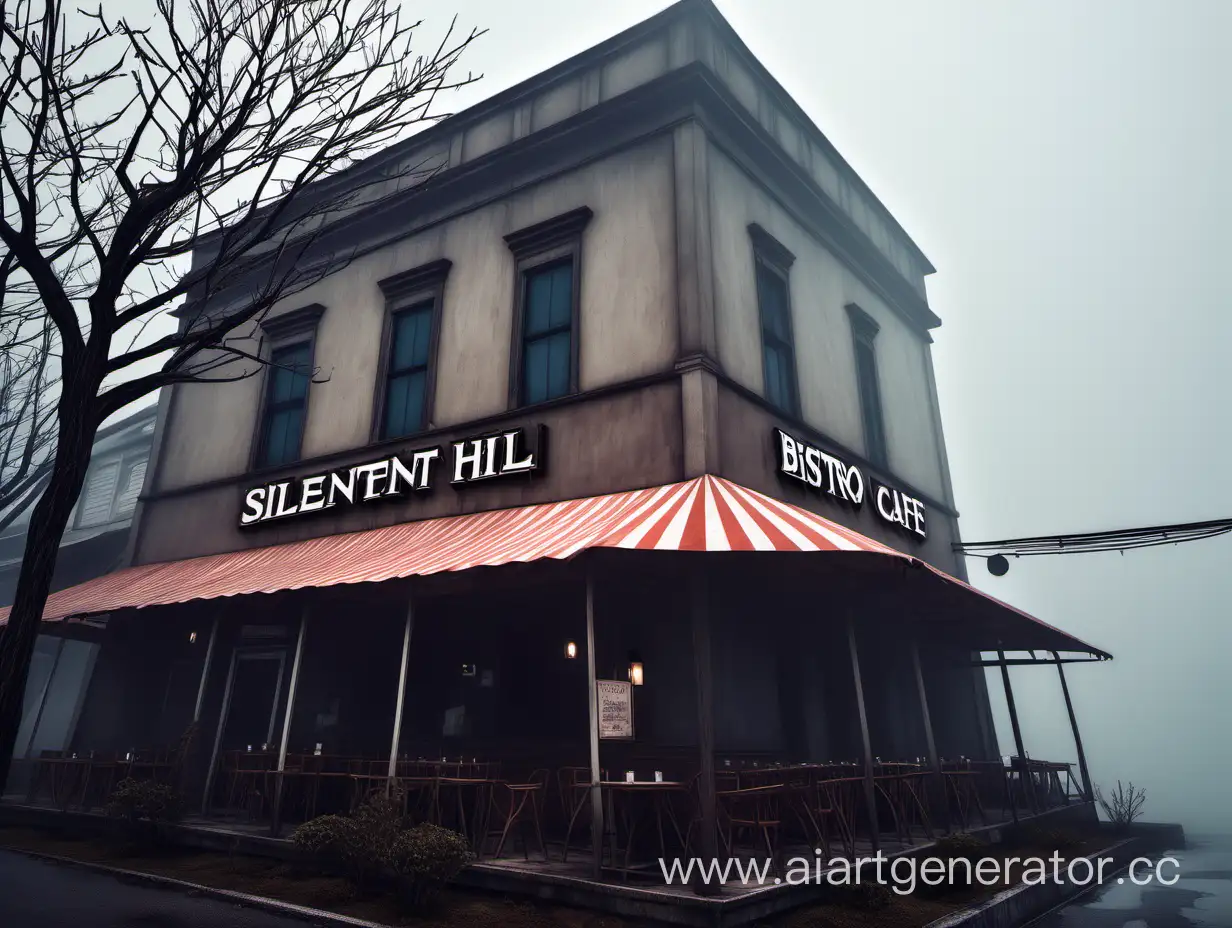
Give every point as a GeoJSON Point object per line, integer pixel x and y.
{"type": "Point", "coordinates": [1087, 787]}
{"type": "Point", "coordinates": [596, 793]}
{"type": "Point", "coordinates": [205, 671]}
{"type": "Point", "coordinates": [870, 788]}
{"type": "Point", "coordinates": [934, 761]}
{"type": "Point", "coordinates": [708, 837]}
{"type": "Point", "coordinates": [222, 720]}
{"type": "Point", "coordinates": [276, 815]}
{"type": "Point", "coordinates": [406, 651]}
{"type": "Point", "coordinates": [1028, 785]}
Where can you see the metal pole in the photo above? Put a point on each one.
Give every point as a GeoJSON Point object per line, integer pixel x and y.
{"type": "Point", "coordinates": [205, 671]}
{"type": "Point", "coordinates": [934, 760]}
{"type": "Point", "coordinates": [707, 802]}
{"type": "Point", "coordinates": [596, 795]}
{"type": "Point", "coordinates": [406, 650]}
{"type": "Point", "coordinates": [222, 720]}
{"type": "Point", "coordinates": [1022, 754]}
{"type": "Point", "coordinates": [276, 814]}
{"type": "Point", "coordinates": [870, 789]}
{"type": "Point", "coordinates": [1087, 786]}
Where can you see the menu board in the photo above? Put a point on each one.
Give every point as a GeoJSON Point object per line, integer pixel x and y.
{"type": "Point", "coordinates": [615, 709]}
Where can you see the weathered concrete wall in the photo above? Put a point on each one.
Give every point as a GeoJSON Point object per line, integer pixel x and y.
{"type": "Point", "coordinates": [821, 286]}
{"type": "Point", "coordinates": [627, 324]}
{"type": "Point", "coordinates": [615, 442]}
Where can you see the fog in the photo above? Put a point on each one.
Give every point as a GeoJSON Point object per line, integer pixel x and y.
{"type": "Point", "coordinates": [1066, 168]}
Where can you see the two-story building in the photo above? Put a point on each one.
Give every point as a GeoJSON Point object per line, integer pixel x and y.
{"type": "Point", "coordinates": [640, 303]}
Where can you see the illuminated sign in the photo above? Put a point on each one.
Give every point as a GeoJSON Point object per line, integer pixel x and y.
{"type": "Point", "coordinates": [398, 476]}
{"type": "Point", "coordinates": [845, 482]}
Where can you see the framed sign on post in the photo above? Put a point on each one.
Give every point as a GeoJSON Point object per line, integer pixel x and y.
{"type": "Point", "coordinates": [615, 709]}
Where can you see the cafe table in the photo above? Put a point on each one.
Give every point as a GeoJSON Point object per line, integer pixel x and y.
{"type": "Point", "coordinates": [631, 803]}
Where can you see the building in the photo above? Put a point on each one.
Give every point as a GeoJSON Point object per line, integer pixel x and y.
{"type": "Point", "coordinates": [93, 544]}
{"type": "Point", "coordinates": [643, 268]}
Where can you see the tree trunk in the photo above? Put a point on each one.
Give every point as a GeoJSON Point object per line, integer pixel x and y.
{"type": "Point", "coordinates": [77, 426]}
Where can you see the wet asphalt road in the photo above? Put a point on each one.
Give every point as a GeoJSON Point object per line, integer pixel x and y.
{"type": "Point", "coordinates": [35, 894]}
{"type": "Point", "coordinates": [1201, 898]}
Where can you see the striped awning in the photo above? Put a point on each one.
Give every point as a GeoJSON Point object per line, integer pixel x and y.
{"type": "Point", "coordinates": [703, 514]}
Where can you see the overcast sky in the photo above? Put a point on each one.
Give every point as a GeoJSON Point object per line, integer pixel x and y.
{"type": "Point", "coordinates": [1065, 165]}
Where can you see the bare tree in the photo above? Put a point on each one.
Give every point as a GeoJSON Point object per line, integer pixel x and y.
{"type": "Point", "coordinates": [186, 162]}
{"type": "Point", "coordinates": [27, 404]}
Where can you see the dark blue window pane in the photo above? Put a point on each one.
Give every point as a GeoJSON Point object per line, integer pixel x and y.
{"type": "Point", "coordinates": [549, 298]}
{"type": "Point", "coordinates": [404, 405]}
{"type": "Point", "coordinates": [772, 298]}
{"type": "Point", "coordinates": [282, 444]}
{"type": "Point", "coordinates": [412, 336]}
{"type": "Point", "coordinates": [545, 368]}
{"type": "Point", "coordinates": [289, 374]}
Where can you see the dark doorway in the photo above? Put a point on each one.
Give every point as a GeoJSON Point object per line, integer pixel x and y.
{"type": "Point", "coordinates": [251, 710]}
{"type": "Point", "coordinates": [179, 700]}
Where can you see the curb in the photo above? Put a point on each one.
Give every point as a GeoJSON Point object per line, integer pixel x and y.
{"type": "Point", "coordinates": [264, 903]}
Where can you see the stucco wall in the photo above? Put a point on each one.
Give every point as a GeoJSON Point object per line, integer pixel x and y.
{"type": "Point", "coordinates": [628, 325]}
{"type": "Point", "coordinates": [618, 442]}
{"type": "Point", "coordinates": [821, 286]}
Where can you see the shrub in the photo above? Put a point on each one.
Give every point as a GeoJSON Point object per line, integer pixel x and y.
{"type": "Point", "coordinates": [867, 896]}
{"type": "Point", "coordinates": [1123, 805]}
{"type": "Point", "coordinates": [959, 844]}
{"type": "Point", "coordinates": [424, 859]}
{"type": "Point", "coordinates": [143, 807]}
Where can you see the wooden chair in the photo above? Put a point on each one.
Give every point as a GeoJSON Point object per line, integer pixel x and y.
{"type": "Point", "coordinates": [755, 811]}
{"type": "Point", "coordinates": [518, 807]}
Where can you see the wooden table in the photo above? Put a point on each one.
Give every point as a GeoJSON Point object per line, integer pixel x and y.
{"type": "Point", "coordinates": [640, 800]}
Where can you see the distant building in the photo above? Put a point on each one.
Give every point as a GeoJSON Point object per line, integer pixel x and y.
{"type": "Point", "coordinates": [93, 545]}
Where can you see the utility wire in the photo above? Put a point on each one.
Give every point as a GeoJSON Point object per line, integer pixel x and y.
{"type": "Point", "coordinates": [1089, 542]}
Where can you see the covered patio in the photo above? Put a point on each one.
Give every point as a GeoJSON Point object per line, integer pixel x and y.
{"type": "Point", "coordinates": [692, 670]}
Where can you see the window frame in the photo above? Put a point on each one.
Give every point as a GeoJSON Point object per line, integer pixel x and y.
{"type": "Point", "coordinates": [770, 255]}
{"type": "Point", "coordinates": [286, 330]}
{"type": "Point", "coordinates": [546, 243]}
{"type": "Point", "coordinates": [403, 292]}
{"type": "Point", "coordinates": [864, 329]}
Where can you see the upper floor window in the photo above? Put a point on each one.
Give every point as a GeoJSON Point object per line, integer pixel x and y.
{"type": "Point", "coordinates": [772, 263]}
{"type": "Point", "coordinates": [547, 332]}
{"type": "Point", "coordinates": [544, 362]}
{"type": "Point", "coordinates": [405, 392]}
{"type": "Point", "coordinates": [287, 379]}
{"type": "Point", "coordinates": [111, 489]}
{"type": "Point", "coordinates": [864, 331]}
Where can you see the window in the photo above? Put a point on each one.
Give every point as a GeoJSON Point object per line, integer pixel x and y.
{"type": "Point", "coordinates": [771, 263]}
{"type": "Point", "coordinates": [94, 507]}
{"type": "Point", "coordinates": [286, 400]}
{"type": "Point", "coordinates": [547, 332]}
{"type": "Point", "coordinates": [544, 361]}
{"type": "Point", "coordinates": [407, 378]}
{"type": "Point", "coordinates": [284, 405]}
{"type": "Point", "coordinates": [111, 490]}
{"type": "Point", "coordinates": [407, 372]}
{"type": "Point", "coordinates": [864, 332]}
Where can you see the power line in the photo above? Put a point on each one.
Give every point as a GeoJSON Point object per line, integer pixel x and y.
{"type": "Point", "coordinates": [1090, 542]}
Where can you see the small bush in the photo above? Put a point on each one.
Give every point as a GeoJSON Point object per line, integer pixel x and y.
{"type": "Point", "coordinates": [424, 859]}
{"type": "Point", "coordinates": [1123, 805]}
{"type": "Point", "coordinates": [959, 844]}
{"type": "Point", "coordinates": [143, 807]}
{"type": "Point", "coordinates": [866, 896]}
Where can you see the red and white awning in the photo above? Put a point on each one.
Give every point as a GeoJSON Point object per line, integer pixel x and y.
{"type": "Point", "coordinates": [703, 514]}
